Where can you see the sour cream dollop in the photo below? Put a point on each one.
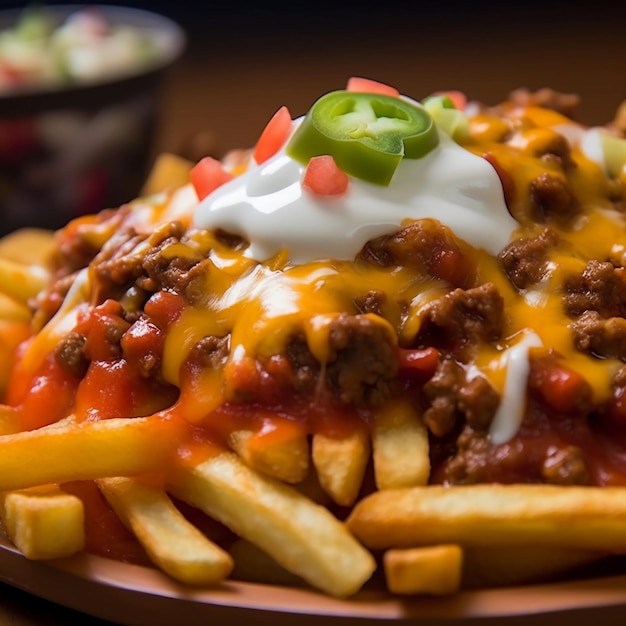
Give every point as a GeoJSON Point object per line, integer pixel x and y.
{"type": "Point", "coordinates": [268, 206]}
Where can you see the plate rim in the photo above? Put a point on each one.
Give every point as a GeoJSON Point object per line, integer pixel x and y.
{"type": "Point", "coordinates": [135, 594]}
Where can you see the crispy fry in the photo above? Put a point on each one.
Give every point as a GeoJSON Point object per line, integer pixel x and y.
{"type": "Point", "coordinates": [9, 422]}
{"type": "Point", "coordinates": [21, 282]}
{"type": "Point", "coordinates": [173, 543]}
{"type": "Point", "coordinates": [44, 522]}
{"type": "Point", "coordinates": [84, 451]}
{"type": "Point", "coordinates": [433, 570]}
{"type": "Point", "coordinates": [340, 464]}
{"type": "Point", "coordinates": [285, 458]}
{"type": "Point", "coordinates": [303, 537]}
{"type": "Point", "coordinates": [169, 171]}
{"type": "Point", "coordinates": [591, 518]}
{"type": "Point", "coordinates": [400, 447]}
{"type": "Point", "coordinates": [504, 566]}
{"type": "Point", "coordinates": [28, 246]}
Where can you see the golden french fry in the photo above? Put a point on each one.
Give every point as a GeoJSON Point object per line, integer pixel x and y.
{"type": "Point", "coordinates": [12, 310]}
{"type": "Point", "coordinates": [28, 246]}
{"type": "Point", "coordinates": [169, 171]}
{"type": "Point", "coordinates": [9, 421]}
{"type": "Point", "coordinates": [303, 537]}
{"type": "Point", "coordinates": [503, 566]}
{"type": "Point", "coordinates": [400, 446]}
{"type": "Point", "coordinates": [84, 451]}
{"type": "Point", "coordinates": [340, 464]}
{"type": "Point", "coordinates": [591, 518]}
{"type": "Point", "coordinates": [172, 542]}
{"type": "Point", "coordinates": [432, 570]}
{"type": "Point", "coordinates": [44, 522]}
{"type": "Point", "coordinates": [20, 281]}
{"type": "Point", "coordinates": [283, 457]}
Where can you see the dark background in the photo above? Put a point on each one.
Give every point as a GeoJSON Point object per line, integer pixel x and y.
{"type": "Point", "coordinates": [245, 59]}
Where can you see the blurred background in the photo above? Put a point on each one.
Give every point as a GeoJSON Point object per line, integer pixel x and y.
{"type": "Point", "coordinates": [244, 60]}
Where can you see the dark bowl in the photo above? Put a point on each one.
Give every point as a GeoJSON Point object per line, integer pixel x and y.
{"type": "Point", "coordinates": [71, 150]}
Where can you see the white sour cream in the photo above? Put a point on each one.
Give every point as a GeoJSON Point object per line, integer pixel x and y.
{"type": "Point", "coordinates": [510, 413]}
{"type": "Point", "coordinates": [268, 206]}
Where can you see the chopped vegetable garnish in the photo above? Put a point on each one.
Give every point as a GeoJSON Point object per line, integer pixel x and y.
{"type": "Point", "coordinates": [367, 134]}
{"type": "Point", "coordinates": [367, 85]}
{"type": "Point", "coordinates": [273, 136]}
{"type": "Point", "coordinates": [323, 177]}
{"type": "Point", "coordinates": [207, 175]}
{"type": "Point", "coordinates": [447, 115]}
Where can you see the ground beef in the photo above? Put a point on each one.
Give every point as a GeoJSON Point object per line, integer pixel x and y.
{"type": "Point", "coordinates": [599, 336]}
{"type": "Point", "coordinates": [210, 352]}
{"type": "Point", "coordinates": [564, 103]}
{"type": "Point", "coordinates": [565, 466]}
{"type": "Point", "coordinates": [305, 367]}
{"type": "Point", "coordinates": [525, 261]}
{"type": "Point", "coordinates": [551, 198]}
{"type": "Point", "coordinates": [453, 397]}
{"type": "Point", "coordinates": [362, 360]}
{"type": "Point", "coordinates": [70, 354]}
{"type": "Point", "coordinates": [428, 247]}
{"type": "Point", "coordinates": [475, 459]}
{"type": "Point", "coordinates": [600, 287]}
{"type": "Point", "coordinates": [77, 247]}
{"type": "Point", "coordinates": [467, 315]}
{"type": "Point", "coordinates": [371, 302]}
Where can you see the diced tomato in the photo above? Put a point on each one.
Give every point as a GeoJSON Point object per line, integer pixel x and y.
{"type": "Point", "coordinates": [164, 308]}
{"type": "Point", "coordinates": [142, 342]}
{"type": "Point", "coordinates": [418, 363]}
{"type": "Point", "coordinates": [458, 98]}
{"type": "Point", "coordinates": [274, 135]}
{"type": "Point", "coordinates": [562, 388]}
{"type": "Point", "coordinates": [113, 389]}
{"type": "Point", "coordinates": [207, 175]}
{"type": "Point", "coordinates": [324, 178]}
{"type": "Point", "coordinates": [367, 85]}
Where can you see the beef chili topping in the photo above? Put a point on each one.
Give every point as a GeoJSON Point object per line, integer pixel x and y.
{"type": "Point", "coordinates": [192, 320]}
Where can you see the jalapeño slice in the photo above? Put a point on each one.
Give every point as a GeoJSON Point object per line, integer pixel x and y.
{"type": "Point", "coordinates": [366, 134]}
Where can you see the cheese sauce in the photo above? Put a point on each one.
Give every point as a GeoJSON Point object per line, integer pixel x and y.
{"type": "Point", "coordinates": [297, 271]}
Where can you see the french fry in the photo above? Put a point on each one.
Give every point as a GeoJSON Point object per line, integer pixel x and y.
{"type": "Point", "coordinates": [20, 281]}
{"type": "Point", "coordinates": [504, 566]}
{"type": "Point", "coordinates": [13, 311]}
{"type": "Point", "coordinates": [84, 451]}
{"type": "Point", "coordinates": [44, 522]}
{"type": "Point", "coordinates": [172, 542]}
{"type": "Point", "coordinates": [28, 246]}
{"type": "Point", "coordinates": [590, 518]}
{"type": "Point", "coordinates": [432, 570]}
{"type": "Point", "coordinates": [285, 458]}
{"type": "Point", "coordinates": [340, 464]}
{"type": "Point", "coordinates": [303, 537]}
{"type": "Point", "coordinates": [169, 171]}
{"type": "Point", "coordinates": [9, 421]}
{"type": "Point", "coordinates": [400, 447]}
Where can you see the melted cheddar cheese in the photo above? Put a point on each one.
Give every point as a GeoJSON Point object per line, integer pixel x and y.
{"type": "Point", "coordinates": [530, 173]}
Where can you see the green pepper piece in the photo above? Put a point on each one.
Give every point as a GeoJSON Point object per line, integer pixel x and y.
{"type": "Point", "coordinates": [366, 134]}
{"type": "Point", "coordinates": [447, 117]}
